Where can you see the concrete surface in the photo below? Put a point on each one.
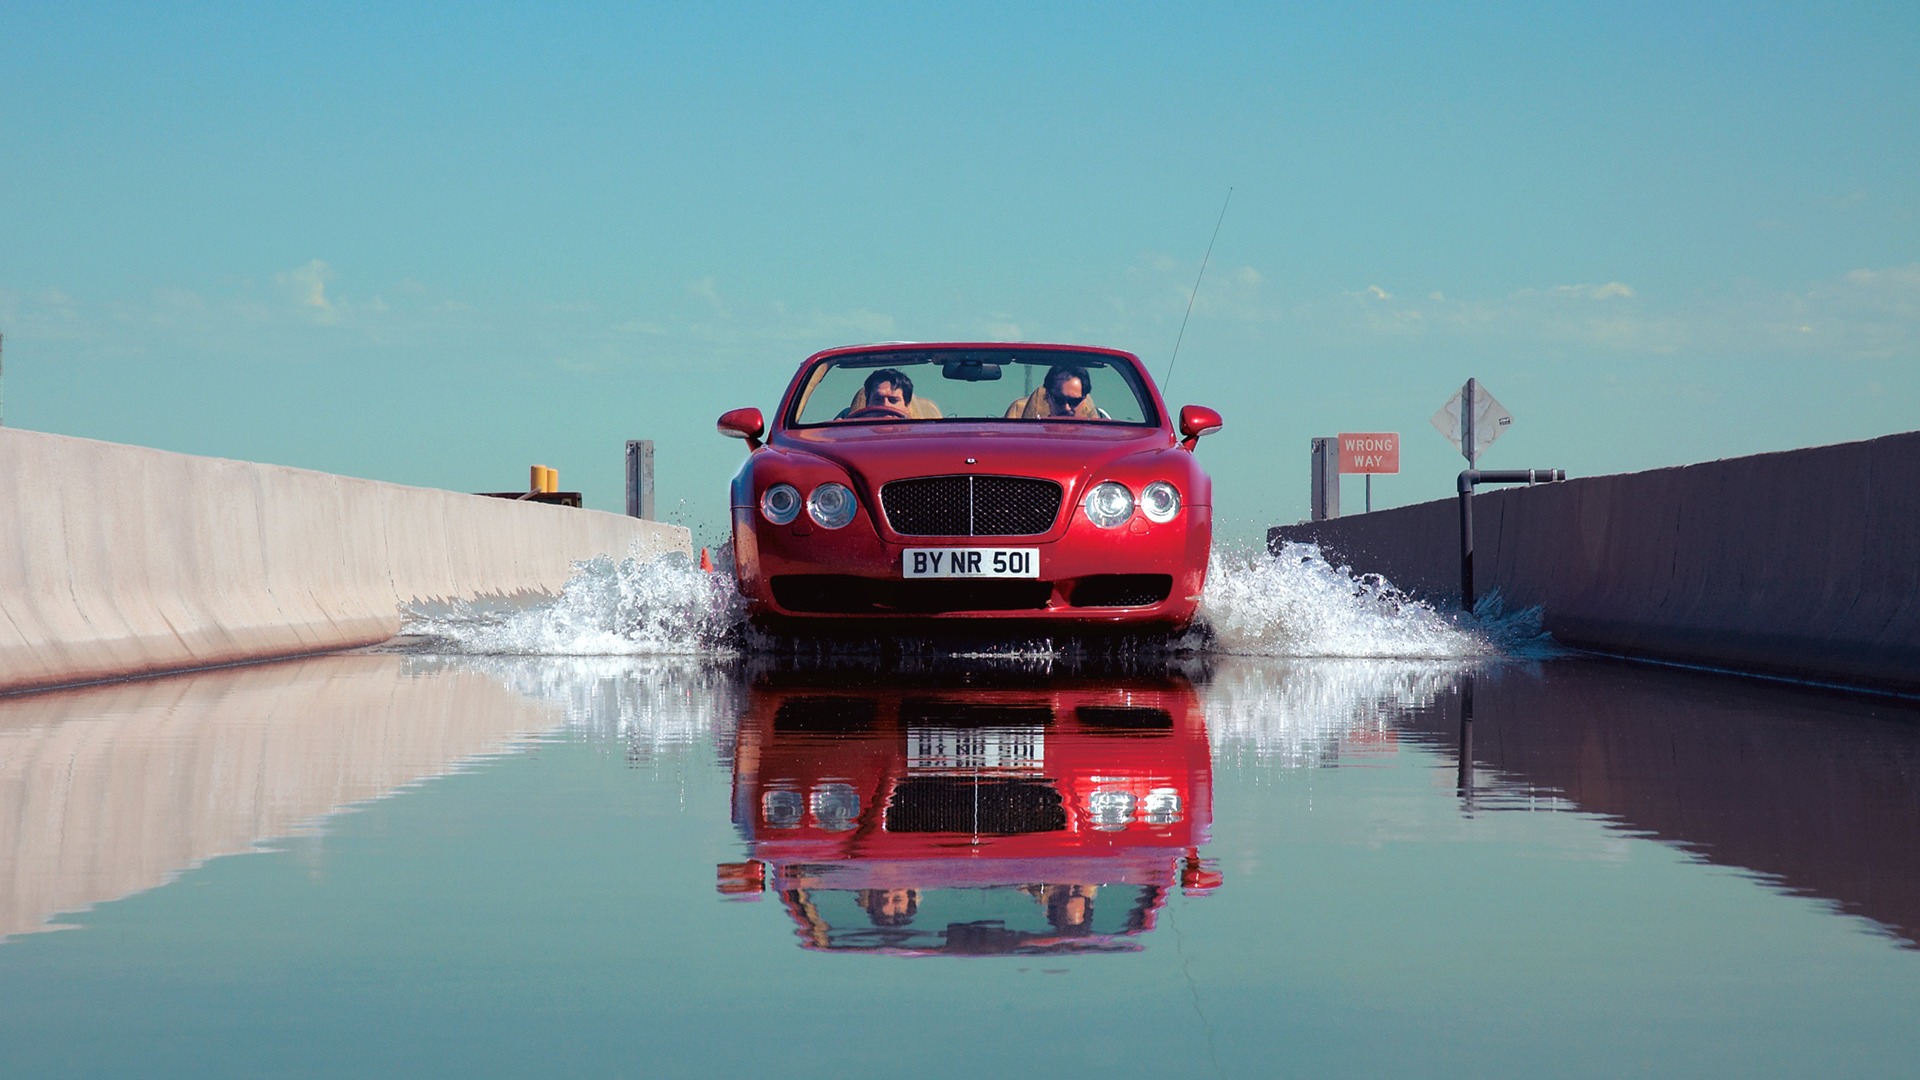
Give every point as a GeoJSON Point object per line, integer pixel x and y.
{"type": "Point", "coordinates": [1804, 564]}
{"type": "Point", "coordinates": [120, 560]}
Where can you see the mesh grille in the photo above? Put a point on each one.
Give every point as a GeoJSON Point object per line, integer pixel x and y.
{"type": "Point", "coordinates": [1122, 590]}
{"type": "Point", "coordinates": [959, 805]}
{"type": "Point", "coordinates": [837, 594]}
{"type": "Point", "coordinates": [971, 505]}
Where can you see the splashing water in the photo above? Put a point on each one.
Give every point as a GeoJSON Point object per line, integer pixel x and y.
{"type": "Point", "coordinates": [1293, 604]}
{"type": "Point", "coordinates": [1306, 713]}
{"type": "Point", "coordinates": [661, 606]}
{"type": "Point", "coordinates": [1296, 604]}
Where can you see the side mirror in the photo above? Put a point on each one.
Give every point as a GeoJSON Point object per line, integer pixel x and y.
{"type": "Point", "coordinates": [745, 424]}
{"type": "Point", "coordinates": [1195, 421]}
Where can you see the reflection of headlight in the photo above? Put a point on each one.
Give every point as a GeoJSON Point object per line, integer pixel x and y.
{"type": "Point", "coordinates": [835, 807]}
{"type": "Point", "coordinates": [1160, 501]}
{"type": "Point", "coordinates": [782, 809]}
{"type": "Point", "coordinates": [1109, 505]}
{"type": "Point", "coordinates": [780, 503]}
{"type": "Point", "coordinates": [1110, 809]}
{"type": "Point", "coordinates": [831, 505]}
{"type": "Point", "coordinates": [1163, 806]}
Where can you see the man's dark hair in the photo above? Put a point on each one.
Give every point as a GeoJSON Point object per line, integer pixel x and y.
{"type": "Point", "coordinates": [890, 375]}
{"type": "Point", "coordinates": [1060, 373]}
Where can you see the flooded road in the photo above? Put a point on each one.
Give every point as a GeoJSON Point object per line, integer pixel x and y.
{"type": "Point", "coordinates": [1239, 866]}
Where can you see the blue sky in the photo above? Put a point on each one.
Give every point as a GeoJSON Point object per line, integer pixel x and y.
{"type": "Point", "coordinates": [439, 243]}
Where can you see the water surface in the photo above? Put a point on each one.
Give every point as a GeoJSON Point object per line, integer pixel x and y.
{"type": "Point", "coordinates": [689, 865]}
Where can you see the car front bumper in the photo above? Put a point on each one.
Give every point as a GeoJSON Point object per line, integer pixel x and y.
{"type": "Point", "coordinates": [1140, 575]}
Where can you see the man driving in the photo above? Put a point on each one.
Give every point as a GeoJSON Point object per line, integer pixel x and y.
{"type": "Point", "coordinates": [887, 390]}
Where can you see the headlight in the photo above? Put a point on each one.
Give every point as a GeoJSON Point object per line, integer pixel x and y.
{"type": "Point", "coordinates": [782, 808]}
{"type": "Point", "coordinates": [1163, 806]}
{"type": "Point", "coordinates": [1110, 810]}
{"type": "Point", "coordinates": [780, 503]}
{"type": "Point", "coordinates": [1160, 501]}
{"type": "Point", "coordinates": [831, 505]}
{"type": "Point", "coordinates": [1109, 505]}
{"type": "Point", "coordinates": [836, 807]}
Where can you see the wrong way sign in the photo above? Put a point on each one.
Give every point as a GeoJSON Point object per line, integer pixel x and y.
{"type": "Point", "coordinates": [1370, 452]}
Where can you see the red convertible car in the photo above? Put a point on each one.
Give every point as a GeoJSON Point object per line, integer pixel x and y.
{"type": "Point", "coordinates": [996, 815]}
{"type": "Point", "coordinates": [929, 483]}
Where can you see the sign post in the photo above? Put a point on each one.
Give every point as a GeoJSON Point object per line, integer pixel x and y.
{"type": "Point", "coordinates": [1471, 420]}
{"type": "Point", "coordinates": [1370, 453]}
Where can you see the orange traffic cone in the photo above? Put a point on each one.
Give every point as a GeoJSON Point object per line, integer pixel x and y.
{"type": "Point", "coordinates": [706, 561]}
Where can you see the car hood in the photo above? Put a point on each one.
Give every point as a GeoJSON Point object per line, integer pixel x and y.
{"type": "Point", "coordinates": [1066, 452]}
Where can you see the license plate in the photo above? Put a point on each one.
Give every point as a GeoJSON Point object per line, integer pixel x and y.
{"type": "Point", "coordinates": [1005, 750]}
{"type": "Point", "coordinates": [970, 562]}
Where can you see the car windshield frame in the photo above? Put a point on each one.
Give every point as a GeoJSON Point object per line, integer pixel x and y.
{"type": "Point", "coordinates": [1111, 364]}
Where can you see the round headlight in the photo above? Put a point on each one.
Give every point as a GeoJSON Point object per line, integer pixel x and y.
{"type": "Point", "coordinates": [831, 505]}
{"type": "Point", "coordinates": [1110, 810]}
{"type": "Point", "coordinates": [836, 807]}
{"type": "Point", "coordinates": [780, 503]}
{"type": "Point", "coordinates": [1160, 501]}
{"type": "Point", "coordinates": [1109, 505]}
{"type": "Point", "coordinates": [782, 808]}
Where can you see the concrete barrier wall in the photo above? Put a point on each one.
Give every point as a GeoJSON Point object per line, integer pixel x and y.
{"type": "Point", "coordinates": [1803, 564]}
{"type": "Point", "coordinates": [120, 560]}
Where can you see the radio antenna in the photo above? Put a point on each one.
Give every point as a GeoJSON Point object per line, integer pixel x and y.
{"type": "Point", "coordinates": [1168, 378]}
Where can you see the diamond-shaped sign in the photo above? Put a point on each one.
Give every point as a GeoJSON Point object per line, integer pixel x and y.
{"type": "Point", "coordinates": [1490, 420]}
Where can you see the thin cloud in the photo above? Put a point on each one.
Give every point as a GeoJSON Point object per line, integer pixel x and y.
{"type": "Point", "coordinates": [708, 289]}
{"type": "Point", "coordinates": [307, 285]}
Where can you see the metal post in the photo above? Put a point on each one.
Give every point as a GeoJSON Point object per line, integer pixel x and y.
{"type": "Point", "coordinates": [1467, 394]}
{"type": "Point", "coordinates": [1468, 479]}
{"type": "Point", "coordinates": [1466, 540]}
{"type": "Point", "coordinates": [640, 479]}
{"type": "Point", "coordinates": [1326, 479]}
{"type": "Point", "coordinates": [1369, 493]}
{"type": "Point", "coordinates": [1463, 781]}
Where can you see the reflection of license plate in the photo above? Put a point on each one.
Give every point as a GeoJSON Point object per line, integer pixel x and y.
{"type": "Point", "coordinates": [1011, 749]}
{"type": "Point", "coordinates": [970, 562]}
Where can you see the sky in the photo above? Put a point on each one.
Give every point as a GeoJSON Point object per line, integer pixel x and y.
{"type": "Point", "coordinates": [435, 244]}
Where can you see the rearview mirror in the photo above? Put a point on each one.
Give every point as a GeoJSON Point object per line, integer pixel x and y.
{"type": "Point", "coordinates": [970, 370]}
{"type": "Point", "coordinates": [745, 424]}
{"type": "Point", "coordinates": [1198, 420]}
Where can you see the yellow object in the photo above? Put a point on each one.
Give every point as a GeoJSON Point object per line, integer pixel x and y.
{"type": "Point", "coordinates": [553, 480]}
{"type": "Point", "coordinates": [537, 478]}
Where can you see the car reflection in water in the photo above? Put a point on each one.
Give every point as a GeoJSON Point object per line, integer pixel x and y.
{"type": "Point", "coordinates": [1002, 815]}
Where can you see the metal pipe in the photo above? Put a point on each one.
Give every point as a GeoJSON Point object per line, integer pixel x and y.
{"type": "Point", "coordinates": [1471, 477]}
{"type": "Point", "coordinates": [1466, 542]}
{"type": "Point", "coordinates": [1463, 780]}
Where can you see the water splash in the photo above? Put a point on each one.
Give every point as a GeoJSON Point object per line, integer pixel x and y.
{"type": "Point", "coordinates": [633, 607]}
{"type": "Point", "coordinates": [1296, 604]}
{"type": "Point", "coordinates": [1309, 713]}
{"type": "Point", "coordinates": [656, 708]}
{"type": "Point", "coordinates": [1291, 604]}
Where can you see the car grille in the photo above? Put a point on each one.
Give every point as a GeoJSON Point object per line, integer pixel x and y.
{"type": "Point", "coordinates": [964, 805]}
{"type": "Point", "coordinates": [971, 505]}
{"type": "Point", "coordinates": [837, 594]}
{"type": "Point", "coordinates": [1121, 590]}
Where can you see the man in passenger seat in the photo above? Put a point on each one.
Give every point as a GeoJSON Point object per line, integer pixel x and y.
{"type": "Point", "coordinates": [1066, 392]}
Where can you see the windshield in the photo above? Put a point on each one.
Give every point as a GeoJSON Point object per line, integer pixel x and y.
{"type": "Point", "coordinates": [973, 385]}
